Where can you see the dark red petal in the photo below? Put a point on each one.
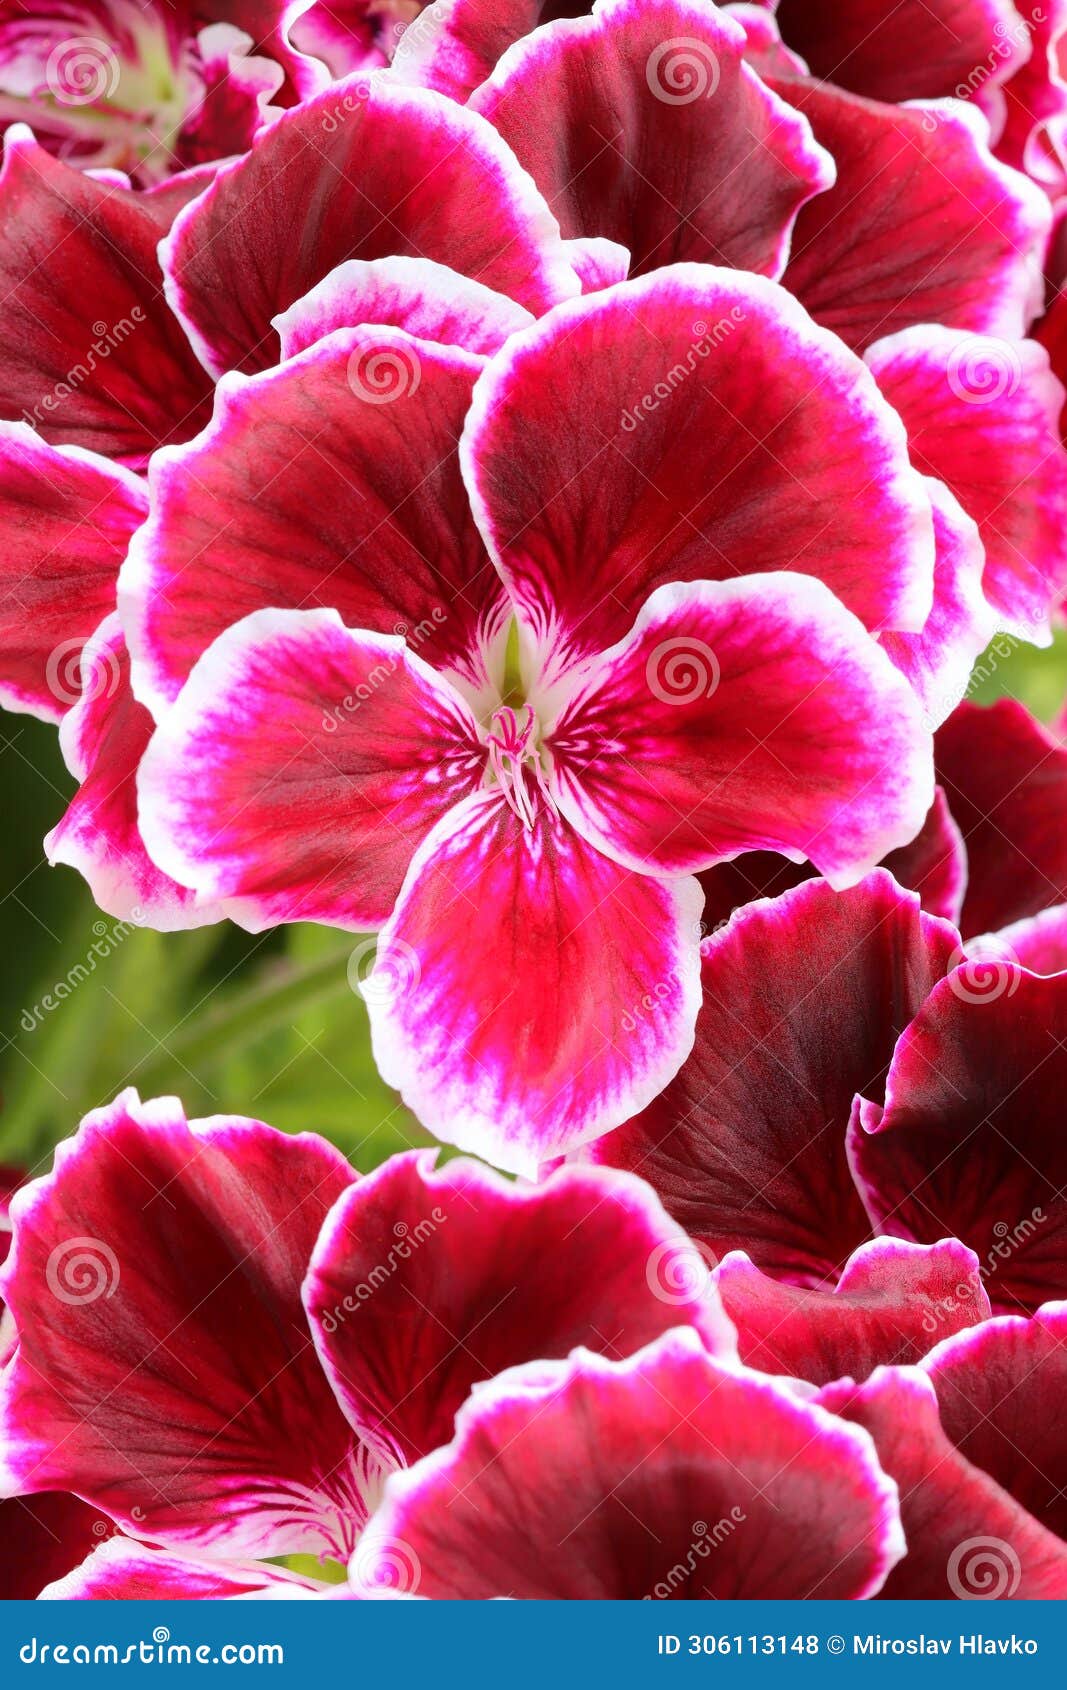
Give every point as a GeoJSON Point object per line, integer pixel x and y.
{"type": "Point", "coordinates": [67, 519]}
{"type": "Point", "coordinates": [975, 231]}
{"type": "Point", "coordinates": [164, 1367]}
{"type": "Point", "coordinates": [373, 170]}
{"type": "Point", "coordinates": [644, 124]}
{"type": "Point", "coordinates": [425, 1283]}
{"type": "Point", "coordinates": [89, 352]}
{"type": "Point", "coordinates": [1005, 779]}
{"type": "Point", "coordinates": [967, 1539]}
{"type": "Point", "coordinates": [968, 1143]}
{"type": "Point", "coordinates": [804, 1000]}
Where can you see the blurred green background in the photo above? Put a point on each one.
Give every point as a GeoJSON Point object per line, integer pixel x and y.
{"type": "Point", "coordinates": [266, 1026]}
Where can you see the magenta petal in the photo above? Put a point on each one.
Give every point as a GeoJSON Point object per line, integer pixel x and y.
{"type": "Point", "coordinates": [164, 1368]}
{"type": "Point", "coordinates": [301, 766]}
{"type": "Point", "coordinates": [804, 1000]}
{"type": "Point", "coordinates": [1000, 1388]}
{"type": "Point", "coordinates": [352, 445]}
{"type": "Point", "coordinates": [659, 431]}
{"type": "Point", "coordinates": [456, 47]}
{"type": "Point", "coordinates": [893, 1302]}
{"type": "Point", "coordinates": [643, 124]}
{"type": "Point", "coordinates": [89, 352]}
{"type": "Point", "coordinates": [415, 294]}
{"type": "Point", "coordinates": [121, 1571]}
{"type": "Point", "coordinates": [67, 519]}
{"type": "Point", "coordinates": [531, 993]}
{"type": "Point", "coordinates": [984, 415]}
{"type": "Point", "coordinates": [373, 170]}
{"type": "Point", "coordinates": [968, 1142]}
{"type": "Point", "coordinates": [975, 231]}
{"type": "Point", "coordinates": [1038, 942]}
{"type": "Point", "coordinates": [41, 1538]}
{"type": "Point", "coordinates": [666, 1475]}
{"type": "Point", "coordinates": [967, 1539]}
{"type": "Point", "coordinates": [744, 716]}
{"type": "Point", "coordinates": [104, 737]}
{"type": "Point", "coordinates": [938, 661]}
{"type": "Point", "coordinates": [425, 1283]}
{"type": "Point", "coordinates": [1005, 778]}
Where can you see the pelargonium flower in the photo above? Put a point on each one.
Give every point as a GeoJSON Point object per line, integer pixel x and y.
{"type": "Point", "coordinates": [226, 1338]}
{"type": "Point", "coordinates": [855, 1072]}
{"type": "Point", "coordinates": [145, 89]}
{"type": "Point", "coordinates": [607, 690]}
{"type": "Point", "coordinates": [974, 1440]}
{"type": "Point", "coordinates": [664, 1475]}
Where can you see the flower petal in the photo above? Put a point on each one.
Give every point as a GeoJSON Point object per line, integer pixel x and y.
{"type": "Point", "coordinates": [301, 766]}
{"type": "Point", "coordinates": [529, 993]}
{"type": "Point", "coordinates": [663, 1475]}
{"type": "Point", "coordinates": [415, 294]}
{"type": "Point", "coordinates": [425, 1283]}
{"type": "Point", "coordinates": [89, 353]}
{"type": "Point", "coordinates": [939, 660]}
{"type": "Point", "coordinates": [456, 45]}
{"type": "Point", "coordinates": [804, 1000]}
{"type": "Point", "coordinates": [968, 1142]}
{"type": "Point", "coordinates": [644, 124]}
{"type": "Point", "coordinates": [911, 50]}
{"type": "Point", "coordinates": [999, 1389]}
{"type": "Point", "coordinates": [164, 1368]}
{"type": "Point", "coordinates": [984, 415]}
{"type": "Point", "coordinates": [966, 1537]}
{"type": "Point", "coordinates": [375, 170]}
{"type": "Point", "coordinates": [353, 446]}
{"type": "Point", "coordinates": [42, 1538]}
{"type": "Point", "coordinates": [661, 430]}
{"type": "Point", "coordinates": [934, 864]}
{"type": "Point", "coordinates": [1005, 778]}
{"type": "Point", "coordinates": [892, 1302]}
{"type": "Point", "coordinates": [67, 519]}
{"type": "Point", "coordinates": [121, 1571]}
{"type": "Point", "coordinates": [104, 737]}
{"type": "Point", "coordinates": [742, 716]}
{"type": "Point", "coordinates": [975, 230]}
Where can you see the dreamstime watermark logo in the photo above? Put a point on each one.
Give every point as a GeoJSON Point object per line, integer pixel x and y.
{"type": "Point", "coordinates": [386, 1564]}
{"type": "Point", "coordinates": [415, 38]}
{"type": "Point", "coordinates": [651, 1002]}
{"type": "Point", "coordinates": [984, 1569]}
{"type": "Point", "coordinates": [81, 70]}
{"type": "Point", "coordinates": [108, 338]}
{"type": "Point", "coordinates": [681, 670]}
{"type": "Point", "coordinates": [69, 677]}
{"type": "Point", "coordinates": [704, 343]}
{"type": "Point", "coordinates": [1008, 37]}
{"type": "Point", "coordinates": [704, 1540]}
{"type": "Point", "coordinates": [383, 972]}
{"type": "Point", "coordinates": [682, 70]}
{"type": "Point", "coordinates": [379, 375]}
{"type": "Point", "coordinates": [983, 971]}
{"type": "Point", "coordinates": [679, 1271]}
{"type": "Point", "coordinates": [82, 1270]}
{"type": "Point", "coordinates": [982, 370]}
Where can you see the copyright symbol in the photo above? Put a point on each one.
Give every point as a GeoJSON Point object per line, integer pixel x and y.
{"type": "Point", "coordinates": [836, 1645]}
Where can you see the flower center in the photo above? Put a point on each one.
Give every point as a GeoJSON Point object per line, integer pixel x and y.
{"type": "Point", "coordinates": [112, 100]}
{"type": "Point", "coordinates": [515, 761]}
